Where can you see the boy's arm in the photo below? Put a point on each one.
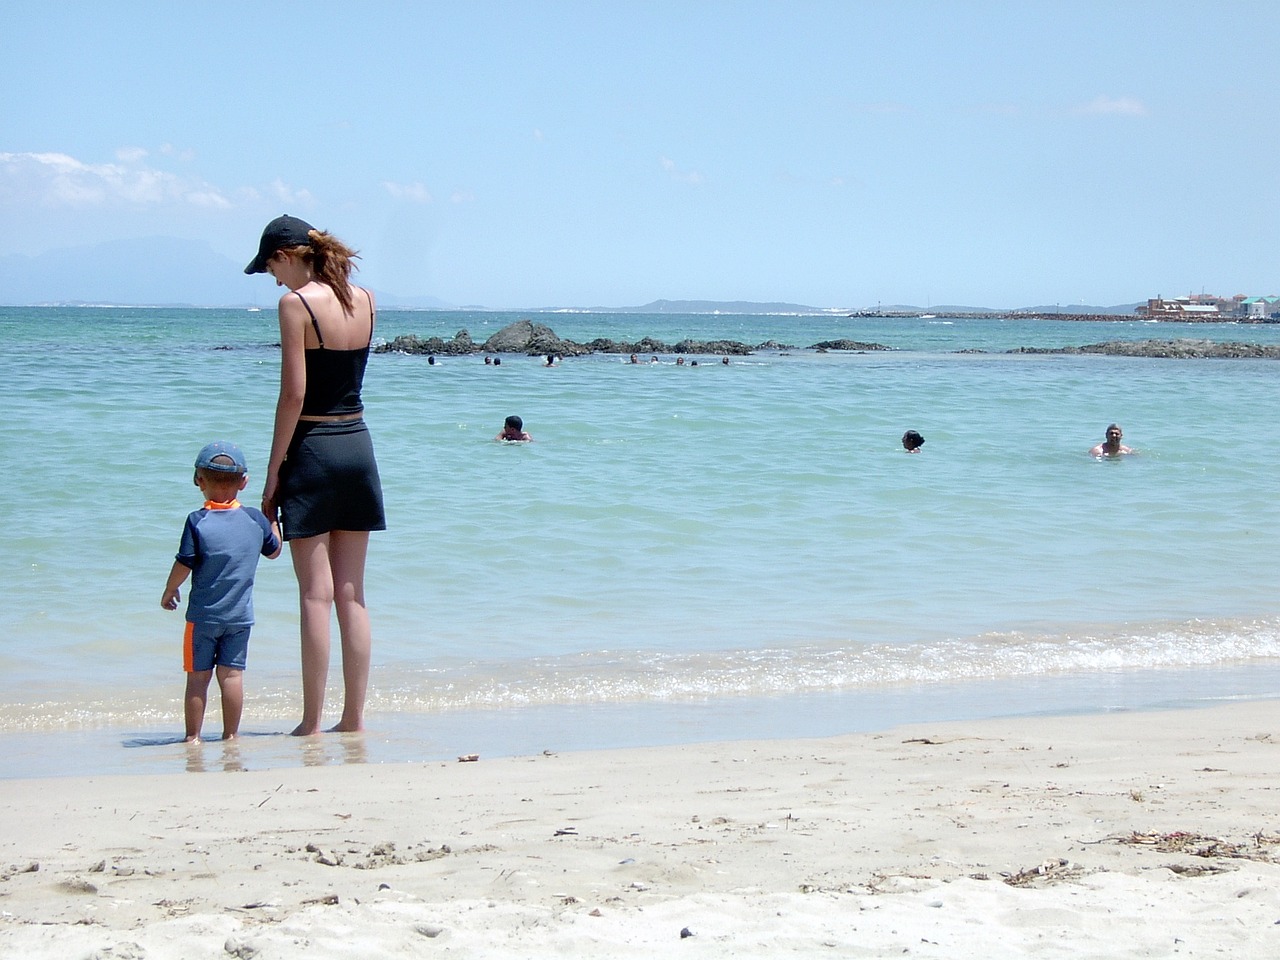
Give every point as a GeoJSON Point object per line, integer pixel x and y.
{"type": "Point", "coordinates": [177, 577]}
{"type": "Point", "coordinates": [275, 532]}
{"type": "Point", "coordinates": [272, 541]}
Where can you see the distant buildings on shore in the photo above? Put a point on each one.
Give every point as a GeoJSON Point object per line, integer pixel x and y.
{"type": "Point", "coordinates": [1206, 307]}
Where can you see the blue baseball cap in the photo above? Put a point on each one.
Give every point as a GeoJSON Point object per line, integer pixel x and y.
{"type": "Point", "coordinates": [222, 457]}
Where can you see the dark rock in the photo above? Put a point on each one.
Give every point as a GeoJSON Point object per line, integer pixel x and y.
{"type": "Point", "coordinates": [533, 339]}
{"type": "Point", "coordinates": [645, 345]}
{"type": "Point", "coordinates": [459, 346]}
{"type": "Point", "coordinates": [848, 345]}
{"type": "Point", "coordinates": [537, 340]}
{"type": "Point", "coordinates": [1183, 349]}
{"type": "Point", "coordinates": [717, 347]}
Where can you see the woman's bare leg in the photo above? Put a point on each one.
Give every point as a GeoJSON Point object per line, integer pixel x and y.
{"type": "Point", "coordinates": [315, 593]}
{"type": "Point", "coordinates": [347, 552]}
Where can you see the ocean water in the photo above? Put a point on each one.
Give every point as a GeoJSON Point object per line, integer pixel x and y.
{"type": "Point", "coordinates": [683, 553]}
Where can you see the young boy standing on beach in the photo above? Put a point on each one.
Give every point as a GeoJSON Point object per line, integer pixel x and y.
{"type": "Point", "coordinates": [220, 547]}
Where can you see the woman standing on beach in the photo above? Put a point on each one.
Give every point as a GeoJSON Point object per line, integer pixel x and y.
{"type": "Point", "coordinates": [322, 476]}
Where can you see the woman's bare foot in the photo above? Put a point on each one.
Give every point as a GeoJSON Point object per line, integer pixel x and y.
{"type": "Point", "coordinates": [305, 730]}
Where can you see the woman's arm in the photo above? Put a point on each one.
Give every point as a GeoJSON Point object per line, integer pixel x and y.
{"type": "Point", "coordinates": [293, 386]}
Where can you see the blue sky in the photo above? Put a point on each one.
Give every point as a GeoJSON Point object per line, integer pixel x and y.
{"type": "Point", "coordinates": [577, 154]}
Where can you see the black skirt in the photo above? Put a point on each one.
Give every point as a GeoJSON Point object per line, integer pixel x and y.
{"type": "Point", "coordinates": [329, 480]}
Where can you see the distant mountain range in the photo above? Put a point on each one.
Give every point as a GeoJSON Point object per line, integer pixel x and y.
{"type": "Point", "coordinates": [167, 271]}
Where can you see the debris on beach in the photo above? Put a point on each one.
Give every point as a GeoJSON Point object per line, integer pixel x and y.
{"type": "Point", "coordinates": [1198, 845]}
{"type": "Point", "coordinates": [1050, 871]}
{"type": "Point", "coordinates": [328, 858]}
{"type": "Point", "coordinates": [1197, 869]}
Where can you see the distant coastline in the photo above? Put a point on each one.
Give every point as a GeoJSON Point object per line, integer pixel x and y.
{"type": "Point", "coordinates": [723, 308]}
{"type": "Point", "coordinates": [1041, 315]}
{"type": "Point", "coordinates": [676, 308]}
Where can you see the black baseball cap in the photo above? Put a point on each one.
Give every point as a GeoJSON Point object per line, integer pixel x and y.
{"type": "Point", "coordinates": [284, 231]}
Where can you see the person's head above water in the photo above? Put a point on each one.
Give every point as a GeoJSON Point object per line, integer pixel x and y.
{"type": "Point", "coordinates": [1111, 446]}
{"type": "Point", "coordinates": [513, 429]}
{"type": "Point", "coordinates": [912, 441]}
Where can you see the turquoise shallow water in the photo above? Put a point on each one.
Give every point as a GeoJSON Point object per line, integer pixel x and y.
{"type": "Point", "coordinates": [682, 553]}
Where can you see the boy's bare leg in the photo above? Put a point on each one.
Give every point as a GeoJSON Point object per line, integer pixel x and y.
{"type": "Point", "coordinates": [231, 682]}
{"type": "Point", "coordinates": [194, 701]}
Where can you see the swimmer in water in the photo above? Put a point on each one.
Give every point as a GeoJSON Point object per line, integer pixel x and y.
{"type": "Point", "coordinates": [1111, 447]}
{"type": "Point", "coordinates": [513, 430]}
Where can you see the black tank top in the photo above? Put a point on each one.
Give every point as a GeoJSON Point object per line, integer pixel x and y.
{"type": "Point", "coordinates": [334, 377]}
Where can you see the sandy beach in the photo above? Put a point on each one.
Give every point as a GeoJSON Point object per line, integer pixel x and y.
{"type": "Point", "coordinates": [1122, 835]}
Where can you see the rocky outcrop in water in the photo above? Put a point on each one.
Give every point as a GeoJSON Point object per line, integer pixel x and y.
{"type": "Point", "coordinates": [535, 340]}
{"type": "Point", "coordinates": [848, 345]}
{"type": "Point", "coordinates": [1184, 349]}
{"type": "Point", "coordinates": [460, 346]}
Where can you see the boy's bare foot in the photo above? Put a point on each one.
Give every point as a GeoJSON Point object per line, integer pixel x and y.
{"type": "Point", "coordinates": [344, 727]}
{"type": "Point", "coordinates": [305, 730]}
{"type": "Point", "coordinates": [193, 738]}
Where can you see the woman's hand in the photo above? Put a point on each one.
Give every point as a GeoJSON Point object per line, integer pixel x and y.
{"type": "Point", "coordinates": [269, 507]}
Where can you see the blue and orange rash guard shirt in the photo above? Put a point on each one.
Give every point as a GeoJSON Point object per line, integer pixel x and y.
{"type": "Point", "coordinates": [221, 544]}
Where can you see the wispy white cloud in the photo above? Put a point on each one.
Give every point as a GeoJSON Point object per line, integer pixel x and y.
{"type": "Point", "coordinates": [56, 179]}
{"type": "Point", "coordinates": [169, 150]}
{"type": "Point", "coordinates": [412, 192]}
{"type": "Point", "coordinates": [461, 195]}
{"type": "Point", "coordinates": [692, 177]}
{"type": "Point", "coordinates": [537, 134]}
{"type": "Point", "coordinates": [1113, 106]}
{"type": "Point", "coordinates": [289, 194]}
